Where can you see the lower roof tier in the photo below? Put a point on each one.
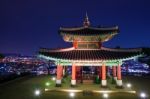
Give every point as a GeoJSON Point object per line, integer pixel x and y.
{"type": "Point", "coordinates": [90, 54]}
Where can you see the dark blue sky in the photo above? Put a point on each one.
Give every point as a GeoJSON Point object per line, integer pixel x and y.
{"type": "Point", "coordinates": [26, 25]}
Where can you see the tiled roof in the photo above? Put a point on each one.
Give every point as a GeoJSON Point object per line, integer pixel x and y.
{"type": "Point", "coordinates": [90, 54]}
{"type": "Point", "coordinates": [88, 30]}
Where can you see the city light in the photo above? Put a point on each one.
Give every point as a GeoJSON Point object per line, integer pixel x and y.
{"type": "Point", "coordinates": [105, 95]}
{"type": "Point", "coordinates": [72, 94]}
{"type": "Point", "coordinates": [47, 83]}
{"type": "Point", "coordinates": [129, 85]}
{"type": "Point", "coordinates": [143, 95]}
{"type": "Point", "coordinates": [53, 78]}
{"type": "Point", "coordinates": [37, 92]}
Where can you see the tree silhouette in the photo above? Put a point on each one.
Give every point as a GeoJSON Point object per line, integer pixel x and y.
{"type": "Point", "coordinates": [146, 51]}
{"type": "Point", "coordinates": [1, 56]}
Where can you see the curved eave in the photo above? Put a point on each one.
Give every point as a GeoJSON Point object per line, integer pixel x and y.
{"type": "Point", "coordinates": [89, 31]}
{"type": "Point", "coordinates": [68, 60]}
{"type": "Point", "coordinates": [109, 62]}
{"type": "Point", "coordinates": [102, 48]}
{"type": "Point", "coordinates": [99, 33]}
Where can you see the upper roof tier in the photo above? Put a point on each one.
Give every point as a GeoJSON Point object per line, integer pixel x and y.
{"type": "Point", "coordinates": [89, 30]}
{"type": "Point", "coordinates": [86, 31]}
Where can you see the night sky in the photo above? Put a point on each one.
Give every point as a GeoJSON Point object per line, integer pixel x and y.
{"type": "Point", "coordinates": [26, 25]}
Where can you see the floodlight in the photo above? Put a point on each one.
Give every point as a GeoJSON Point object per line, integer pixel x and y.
{"type": "Point", "coordinates": [37, 92]}
{"type": "Point", "coordinates": [105, 95]}
{"type": "Point", "coordinates": [72, 94]}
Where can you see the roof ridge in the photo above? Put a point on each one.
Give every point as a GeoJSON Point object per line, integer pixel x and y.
{"type": "Point", "coordinates": [96, 28]}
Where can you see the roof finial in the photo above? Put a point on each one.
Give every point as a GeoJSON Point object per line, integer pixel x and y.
{"type": "Point", "coordinates": [86, 22]}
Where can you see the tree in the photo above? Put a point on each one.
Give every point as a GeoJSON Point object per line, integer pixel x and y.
{"type": "Point", "coordinates": [146, 51]}
{"type": "Point", "coordinates": [1, 56]}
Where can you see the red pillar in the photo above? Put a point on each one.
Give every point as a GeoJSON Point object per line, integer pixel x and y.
{"type": "Point", "coordinates": [103, 81]}
{"type": "Point", "coordinates": [103, 72]}
{"type": "Point", "coordinates": [119, 72]}
{"type": "Point", "coordinates": [59, 72]}
{"type": "Point", "coordinates": [59, 75]}
{"type": "Point", "coordinates": [119, 80]}
{"type": "Point", "coordinates": [73, 81]}
{"type": "Point", "coordinates": [73, 72]}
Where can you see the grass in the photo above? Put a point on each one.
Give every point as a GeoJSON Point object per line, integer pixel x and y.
{"type": "Point", "coordinates": [24, 89]}
{"type": "Point", "coordinates": [67, 80]}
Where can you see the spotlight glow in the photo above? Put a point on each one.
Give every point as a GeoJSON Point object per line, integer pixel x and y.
{"type": "Point", "coordinates": [47, 83]}
{"type": "Point", "coordinates": [53, 78]}
{"type": "Point", "coordinates": [37, 92]}
{"type": "Point", "coordinates": [129, 85]}
{"type": "Point", "coordinates": [72, 94]}
{"type": "Point", "coordinates": [143, 95]}
{"type": "Point", "coordinates": [105, 95]}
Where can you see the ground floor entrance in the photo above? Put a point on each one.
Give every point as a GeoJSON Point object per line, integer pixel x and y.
{"type": "Point", "coordinates": [86, 74]}
{"type": "Point", "coordinates": [90, 74]}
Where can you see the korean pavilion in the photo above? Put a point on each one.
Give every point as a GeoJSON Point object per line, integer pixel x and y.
{"type": "Point", "coordinates": [88, 50]}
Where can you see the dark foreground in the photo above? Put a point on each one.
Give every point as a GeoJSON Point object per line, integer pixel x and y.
{"type": "Point", "coordinates": [24, 89]}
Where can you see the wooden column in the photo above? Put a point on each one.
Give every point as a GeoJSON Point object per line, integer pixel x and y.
{"type": "Point", "coordinates": [73, 81]}
{"type": "Point", "coordinates": [103, 72]}
{"type": "Point", "coordinates": [114, 72]}
{"type": "Point", "coordinates": [100, 72]}
{"type": "Point", "coordinates": [104, 81]}
{"type": "Point", "coordinates": [59, 75]}
{"type": "Point", "coordinates": [119, 79]}
{"type": "Point", "coordinates": [119, 72]}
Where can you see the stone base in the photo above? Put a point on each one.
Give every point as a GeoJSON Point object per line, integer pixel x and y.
{"type": "Point", "coordinates": [119, 83]}
{"type": "Point", "coordinates": [73, 83]}
{"type": "Point", "coordinates": [104, 83]}
{"type": "Point", "coordinates": [58, 82]}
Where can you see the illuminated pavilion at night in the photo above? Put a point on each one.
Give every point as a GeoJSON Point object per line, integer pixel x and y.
{"type": "Point", "coordinates": [88, 50]}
